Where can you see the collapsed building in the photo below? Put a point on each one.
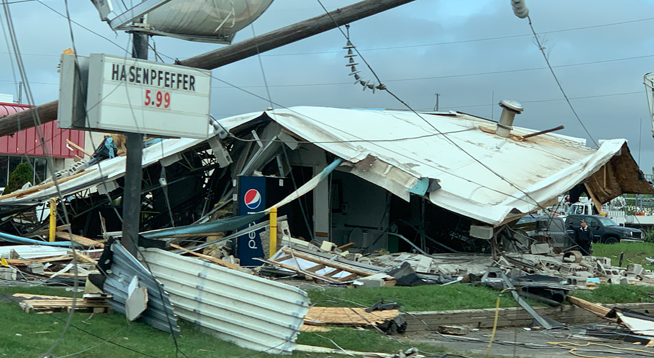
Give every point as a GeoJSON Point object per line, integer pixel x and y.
{"type": "Point", "coordinates": [380, 179]}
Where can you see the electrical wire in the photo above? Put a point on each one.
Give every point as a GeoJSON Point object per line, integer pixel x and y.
{"type": "Point", "coordinates": [11, 59]}
{"type": "Point", "coordinates": [49, 161]}
{"type": "Point", "coordinates": [381, 86]}
{"type": "Point", "coordinates": [542, 50]}
{"type": "Point", "coordinates": [466, 41]}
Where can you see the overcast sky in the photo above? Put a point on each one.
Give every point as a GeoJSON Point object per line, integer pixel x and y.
{"type": "Point", "coordinates": [469, 51]}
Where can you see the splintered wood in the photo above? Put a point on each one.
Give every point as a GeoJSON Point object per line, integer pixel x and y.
{"type": "Point", "coordinates": [84, 241]}
{"type": "Point", "coordinates": [321, 269]}
{"type": "Point", "coordinates": [594, 308]}
{"type": "Point", "coordinates": [97, 303]}
{"type": "Point", "coordinates": [318, 316]}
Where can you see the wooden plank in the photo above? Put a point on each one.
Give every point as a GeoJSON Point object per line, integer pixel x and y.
{"type": "Point", "coordinates": [85, 258]}
{"type": "Point", "coordinates": [347, 316]}
{"type": "Point", "coordinates": [303, 272]}
{"type": "Point", "coordinates": [329, 263]}
{"type": "Point", "coordinates": [84, 241]}
{"type": "Point", "coordinates": [207, 257]}
{"type": "Point", "coordinates": [75, 146]}
{"type": "Point", "coordinates": [343, 247]}
{"type": "Point", "coordinates": [589, 306]}
{"type": "Point", "coordinates": [34, 189]}
{"type": "Point", "coordinates": [47, 231]}
{"type": "Point", "coordinates": [334, 272]}
{"type": "Point", "coordinates": [313, 268]}
{"type": "Point", "coordinates": [54, 259]}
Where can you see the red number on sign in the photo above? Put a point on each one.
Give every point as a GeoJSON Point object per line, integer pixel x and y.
{"type": "Point", "coordinates": [159, 98]}
{"type": "Point", "coordinates": [167, 100]}
{"type": "Point", "coordinates": [147, 97]}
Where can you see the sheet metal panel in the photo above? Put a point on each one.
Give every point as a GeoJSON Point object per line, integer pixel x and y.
{"type": "Point", "coordinates": [26, 141]}
{"type": "Point", "coordinates": [402, 148]}
{"type": "Point", "coordinates": [247, 310]}
{"type": "Point", "coordinates": [124, 267]}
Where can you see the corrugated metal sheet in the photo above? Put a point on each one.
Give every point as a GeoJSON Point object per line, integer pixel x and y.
{"type": "Point", "coordinates": [247, 310]}
{"type": "Point", "coordinates": [27, 140]}
{"type": "Point", "coordinates": [112, 169]}
{"type": "Point", "coordinates": [124, 267]}
{"type": "Point", "coordinates": [399, 149]}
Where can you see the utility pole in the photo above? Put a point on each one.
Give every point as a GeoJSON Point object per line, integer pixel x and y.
{"type": "Point", "coordinates": [133, 171]}
{"type": "Point", "coordinates": [229, 54]}
{"type": "Point", "coordinates": [438, 95]}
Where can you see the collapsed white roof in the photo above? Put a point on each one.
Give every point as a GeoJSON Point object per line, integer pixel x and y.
{"type": "Point", "coordinates": [400, 149]}
{"type": "Point", "coordinates": [396, 150]}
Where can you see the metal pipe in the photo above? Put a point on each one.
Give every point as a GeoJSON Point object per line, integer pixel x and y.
{"type": "Point", "coordinates": [543, 132]}
{"type": "Point", "coordinates": [505, 125]}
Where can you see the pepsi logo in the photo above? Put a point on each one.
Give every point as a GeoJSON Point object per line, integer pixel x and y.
{"type": "Point", "coordinates": [252, 199]}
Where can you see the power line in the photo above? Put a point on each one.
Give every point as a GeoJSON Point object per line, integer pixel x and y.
{"type": "Point", "coordinates": [542, 50]}
{"type": "Point", "coordinates": [461, 74]}
{"type": "Point", "coordinates": [465, 41]}
{"type": "Point", "coordinates": [383, 87]}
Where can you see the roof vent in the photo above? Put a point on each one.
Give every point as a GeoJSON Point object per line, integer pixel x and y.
{"type": "Point", "coordinates": [510, 109]}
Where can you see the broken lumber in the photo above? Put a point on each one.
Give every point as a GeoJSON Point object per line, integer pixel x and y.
{"type": "Point", "coordinates": [34, 189]}
{"type": "Point", "coordinates": [29, 302]}
{"type": "Point", "coordinates": [84, 258]}
{"type": "Point", "coordinates": [327, 263]}
{"type": "Point", "coordinates": [207, 257]}
{"type": "Point", "coordinates": [594, 308]}
{"type": "Point", "coordinates": [318, 316]}
{"type": "Point", "coordinates": [84, 241]}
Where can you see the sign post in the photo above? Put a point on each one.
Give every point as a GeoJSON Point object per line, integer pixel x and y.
{"type": "Point", "coordinates": [133, 171]}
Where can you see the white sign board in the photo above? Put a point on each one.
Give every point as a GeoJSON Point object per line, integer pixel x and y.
{"type": "Point", "coordinates": [138, 96]}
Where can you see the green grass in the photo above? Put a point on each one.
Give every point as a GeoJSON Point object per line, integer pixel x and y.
{"type": "Point", "coordinates": [421, 298]}
{"type": "Point", "coordinates": [617, 294]}
{"type": "Point", "coordinates": [633, 253]}
{"type": "Point", "coordinates": [361, 340]}
{"type": "Point", "coordinates": [24, 335]}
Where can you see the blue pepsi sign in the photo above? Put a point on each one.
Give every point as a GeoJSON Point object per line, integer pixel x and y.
{"type": "Point", "coordinates": [251, 199]}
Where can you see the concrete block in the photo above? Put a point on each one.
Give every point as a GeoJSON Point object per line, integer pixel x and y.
{"type": "Point", "coordinates": [424, 265]}
{"type": "Point", "coordinates": [541, 249]}
{"type": "Point", "coordinates": [377, 280]}
{"type": "Point", "coordinates": [328, 246]}
{"type": "Point", "coordinates": [634, 269]}
{"type": "Point", "coordinates": [455, 330]}
{"type": "Point", "coordinates": [8, 273]}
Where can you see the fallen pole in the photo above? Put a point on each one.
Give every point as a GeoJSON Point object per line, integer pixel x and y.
{"type": "Point", "coordinates": [239, 51]}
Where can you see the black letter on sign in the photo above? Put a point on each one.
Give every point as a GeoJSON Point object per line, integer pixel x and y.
{"type": "Point", "coordinates": [192, 83]}
{"type": "Point", "coordinates": [123, 75]}
{"type": "Point", "coordinates": [132, 74]}
{"type": "Point", "coordinates": [115, 72]}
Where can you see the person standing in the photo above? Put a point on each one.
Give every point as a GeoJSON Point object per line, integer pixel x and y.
{"type": "Point", "coordinates": [584, 238]}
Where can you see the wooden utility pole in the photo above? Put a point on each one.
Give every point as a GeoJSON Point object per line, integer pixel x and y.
{"type": "Point", "coordinates": [233, 53]}
{"type": "Point", "coordinates": [289, 34]}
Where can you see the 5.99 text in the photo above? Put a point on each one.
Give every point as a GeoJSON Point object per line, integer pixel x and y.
{"type": "Point", "coordinates": [157, 99]}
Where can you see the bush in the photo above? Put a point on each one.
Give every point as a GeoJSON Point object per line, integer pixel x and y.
{"type": "Point", "coordinates": [21, 175]}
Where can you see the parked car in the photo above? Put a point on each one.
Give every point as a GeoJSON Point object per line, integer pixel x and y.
{"type": "Point", "coordinates": [605, 230]}
{"type": "Point", "coordinates": [546, 226]}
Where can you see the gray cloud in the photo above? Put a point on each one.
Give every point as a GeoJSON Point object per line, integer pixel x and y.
{"type": "Point", "coordinates": [316, 79]}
